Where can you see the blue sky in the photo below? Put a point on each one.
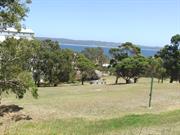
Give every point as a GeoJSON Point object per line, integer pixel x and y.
{"type": "Point", "coordinates": [144, 22]}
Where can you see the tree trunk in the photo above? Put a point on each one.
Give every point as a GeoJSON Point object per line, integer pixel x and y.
{"type": "Point", "coordinates": [38, 83]}
{"type": "Point", "coordinates": [135, 80]}
{"type": "Point", "coordinates": [158, 80]}
{"type": "Point", "coordinates": [127, 81]}
{"type": "Point", "coordinates": [0, 99]}
{"type": "Point", "coordinates": [116, 82]}
{"type": "Point", "coordinates": [82, 81]}
{"type": "Point", "coordinates": [171, 80]}
{"type": "Point", "coordinates": [162, 79]}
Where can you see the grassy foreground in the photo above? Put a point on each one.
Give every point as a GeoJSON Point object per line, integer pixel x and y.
{"type": "Point", "coordinates": [136, 123]}
{"type": "Point", "coordinates": [109, 109]}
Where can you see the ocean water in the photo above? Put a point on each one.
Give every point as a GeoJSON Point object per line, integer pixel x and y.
{"type": "Point", "coordinates": [78, 48]}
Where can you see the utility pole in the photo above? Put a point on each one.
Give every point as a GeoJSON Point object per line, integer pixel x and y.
{"type": "Point", "coordinates": [151, 89]}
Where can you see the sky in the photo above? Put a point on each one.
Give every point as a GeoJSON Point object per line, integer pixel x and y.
{"type": "Point", "coordinates": [143, 22]}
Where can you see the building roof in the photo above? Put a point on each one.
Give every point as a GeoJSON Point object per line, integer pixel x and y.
{"type": "Point", "coordinates": [21, 31]}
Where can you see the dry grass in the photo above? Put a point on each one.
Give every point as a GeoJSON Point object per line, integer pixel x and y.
{"type": "Point", "coordinates": [97, 102]}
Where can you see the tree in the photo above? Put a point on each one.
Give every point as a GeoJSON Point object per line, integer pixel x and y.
{"type": "Point", "coordinates": [170, 55]}
{"type": "Point", "coordinates": [175, 40]}
{"type": "Point", "coordinates": [131, 68]}
{"type": "Point", "coordinates": [53, 64]}
{"type": "Point", "coordinates": [13, 76]}
{"type": "Point", "coordinates": [67, 66]}
{"type": "Point", "coordinates": [96, 55]}
{"type": "Point", "coordinates": [124, 51]}
{"type": "Point", "coordinates": [46, 62]}
{"type": "Point", "coordinates": [51, 53]}
{"type": "Point", "coordinates": [85, 66]}
{"type": "Point", "coordinates": [160, 71]}
{"type": "Point", "coordinates": [130, 49]}
{"type": "Point", "coordinates": [12, 12]}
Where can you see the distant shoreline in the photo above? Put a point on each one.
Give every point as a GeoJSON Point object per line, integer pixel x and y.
{"type": "Point", "coordinates": [92, 43]}
{"type": "Point", "coordinates": [87, 45]}
{"type": "Point", "coordinates": [93, 46]}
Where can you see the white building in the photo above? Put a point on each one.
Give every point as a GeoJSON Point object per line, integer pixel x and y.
{"type": "Point", "coordinates": [105, 65]}
{"type": "Point", "coordinates": [12, 32]}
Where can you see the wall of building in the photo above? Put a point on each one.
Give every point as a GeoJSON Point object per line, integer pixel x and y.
{"type": "Point", "coordinates": [11, 32]}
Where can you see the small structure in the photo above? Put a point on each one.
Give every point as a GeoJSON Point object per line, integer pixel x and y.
{"type": "Point", "coordinates": [8, 32]}
{"type": "Point", "coordinates": [105, 65]}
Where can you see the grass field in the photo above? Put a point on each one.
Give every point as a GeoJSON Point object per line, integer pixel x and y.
{"type": "Point", "coordinates": [72, 109]}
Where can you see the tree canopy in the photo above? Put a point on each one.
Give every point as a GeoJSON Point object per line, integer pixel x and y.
{"type": "Point", "coordinates": [85, 66]}
{"type": "Point", "coordinates": [175, 40]}
{"type": "Point", "coordinates": [14, 76]}
{"type": "Point", "coordinates": [53, 64]}
{"type": "Point", "coordinates": [127, 61]}
{"type": "Point", "coordinates": [131, 68]}
{"type": "Point", "coordinates": [12, 12]}
{"type": "Point", "coordinates": [96, 55]}
{"type": "Point", "coordinates": [170, 55]}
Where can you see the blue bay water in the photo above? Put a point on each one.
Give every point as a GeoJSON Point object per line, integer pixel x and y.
{"type": "Point", "coordinates": [78, 48]}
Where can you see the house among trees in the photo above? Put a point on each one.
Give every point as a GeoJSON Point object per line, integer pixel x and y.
{"type": "Point", "coordinates": [8, 32]}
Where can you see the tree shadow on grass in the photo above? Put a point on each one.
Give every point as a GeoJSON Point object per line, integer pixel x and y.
{"type": "Point", "coordinates": [118, 84]}
{"type": "Point", "coordinates": [4, 109]}
{"type": "Point", "coordinates": [14, 110]}
{"type": "Point", "coordinates": [18, 117]}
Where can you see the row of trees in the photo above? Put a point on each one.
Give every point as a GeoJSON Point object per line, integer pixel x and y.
{"type": "Point", "coordinates": [45, 60]}
{"type": "Point", "coordinates": [128, 63]}
{"type": "Point", "coordinates": [24, 64]}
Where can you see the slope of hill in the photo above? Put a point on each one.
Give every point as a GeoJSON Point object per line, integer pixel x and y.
{"type": "Point", "coordinates": [92, 43]}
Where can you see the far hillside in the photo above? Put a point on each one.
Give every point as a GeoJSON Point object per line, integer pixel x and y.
{"type": "Point", "coordinates": [79, 45]}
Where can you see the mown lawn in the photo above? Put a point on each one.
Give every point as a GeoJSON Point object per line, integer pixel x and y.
{"type": "Point", "coordinates": [73, 109]}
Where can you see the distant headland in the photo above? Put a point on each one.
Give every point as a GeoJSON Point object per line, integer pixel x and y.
{"type": "Point", "coordinates": [93, 43]}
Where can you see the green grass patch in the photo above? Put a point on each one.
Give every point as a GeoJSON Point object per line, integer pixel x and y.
{"type": "Point", "coordinates": [80, 126]}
